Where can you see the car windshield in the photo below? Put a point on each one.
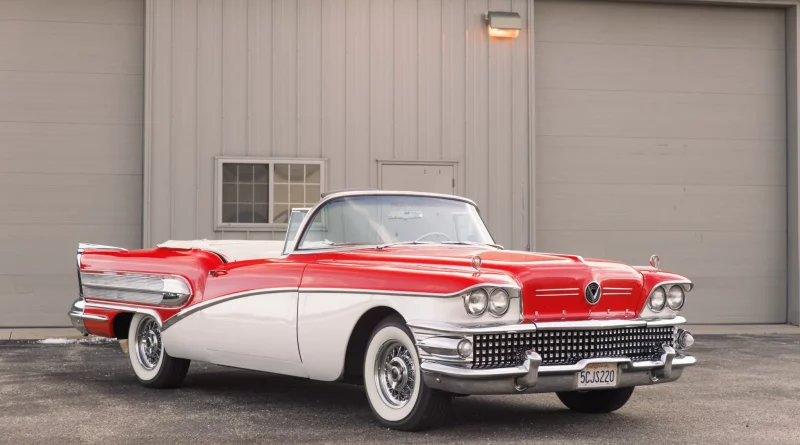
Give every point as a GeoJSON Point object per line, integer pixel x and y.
{"type": "Point", "coordinates": [378, 220]}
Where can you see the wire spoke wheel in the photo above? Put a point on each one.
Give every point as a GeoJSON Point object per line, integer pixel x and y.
{"type": "Point", "coordinates": [148, 343]}
{"type": "Point", "coordinates": [394, 374]}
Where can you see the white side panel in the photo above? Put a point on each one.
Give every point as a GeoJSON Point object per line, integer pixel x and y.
{"type": "Point", "coordinates": [326, 321]}
{"type": "Point", "coordinates": [255, 332]}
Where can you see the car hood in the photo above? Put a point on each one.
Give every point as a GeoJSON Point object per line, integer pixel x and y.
{"type": "Point", "coordinates": [554, 286]}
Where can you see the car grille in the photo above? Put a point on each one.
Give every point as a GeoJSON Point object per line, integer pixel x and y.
{"type": "Point", "coordinates": [566, 347]}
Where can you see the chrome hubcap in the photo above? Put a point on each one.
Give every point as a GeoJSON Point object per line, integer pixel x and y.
{"type": "Point", "coordinates": [394, 374]}
{"type": "Point", "coordinates": [148, 343]}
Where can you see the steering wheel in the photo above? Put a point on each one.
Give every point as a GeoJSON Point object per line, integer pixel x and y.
{"type": "Point", "coordinates": [433, 233]}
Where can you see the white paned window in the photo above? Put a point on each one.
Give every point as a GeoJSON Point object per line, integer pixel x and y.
{"type": "Point", "coordinates": [257, 193]}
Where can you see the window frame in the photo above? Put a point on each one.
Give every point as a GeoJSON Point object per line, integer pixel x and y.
{"type": "Point", "coordinates": [219, 161]}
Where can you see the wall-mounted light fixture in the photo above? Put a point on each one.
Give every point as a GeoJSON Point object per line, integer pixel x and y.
{"type": "Point", "coordinates": [503, 24]}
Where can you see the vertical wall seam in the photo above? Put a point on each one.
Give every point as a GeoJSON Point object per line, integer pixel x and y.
{"type": "Point", "coordinates": [247, 77]}
{"type": "Point", "coordinates": [369, 94]}
{"type": "Point", "coordinates": [272, 81]}
{"type": "Point", "coordinates": [172, 144]}
{"type": "Point", "coordinates": [419, 80]}
{"type": "Point", "coordinates": [441, 81]}
{"type": "Point", "coordinates": [297, 79]}
{"type": "Point", "coordinates": [346, 60]}
{"type": "Point", "coordinates": [221, 79]}
{"type": "Point", "coordinates": [512, 145]}
{"type": "Point", "coordinates": [197, 122]}
{"type": "Point", "coordinates": [466, 99]}
{"type": "Point", "coordinates": [147, 128]}
{"type": "Point", "coordinates": [394, 86]}
{"type": "Point", "coordinates": [320, 150]}
{"type": "Point", "coordinates": [531, 128]}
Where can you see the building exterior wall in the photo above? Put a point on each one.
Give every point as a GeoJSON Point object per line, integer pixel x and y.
{"type": "Point", "coordinates": [357, 82]}
{"type": "Point", "coordinates": [353, 82]}
{"type": "Point", "coordinates": [71, 125]}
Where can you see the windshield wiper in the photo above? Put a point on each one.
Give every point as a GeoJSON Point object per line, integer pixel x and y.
{"type": "Point", "coordinates": [474, 243]}
{"type": "Point", "coordinates": [402, 243]}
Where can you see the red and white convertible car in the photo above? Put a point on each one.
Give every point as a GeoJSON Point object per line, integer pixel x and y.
{"type": "Point", "coordinates": [405, 292]}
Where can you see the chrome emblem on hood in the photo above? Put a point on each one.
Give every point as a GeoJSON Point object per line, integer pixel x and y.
{"type": "Point", "coordinates": [592, 292]}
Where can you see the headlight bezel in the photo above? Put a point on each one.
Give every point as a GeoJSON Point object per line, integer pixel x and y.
{"type": "Point", "coordinates": [651, 300]}
{"type": "Point", "coordinates": [682, 298]}
{"type": "Point", "coordinates": [512, 309]}
{"type": "Point", "coordinates": [648, 313]}
{"type": "Point", "coordinates": [499, 291]}
{"type": "Point", "coordinates": [469, 295]}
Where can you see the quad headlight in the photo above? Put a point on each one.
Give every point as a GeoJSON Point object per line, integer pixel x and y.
{"type": "Point", "coordinates": [657, 299]}
{"type": "Point", "coordinates": [476, 302]}
{"type": "Point", "coordinates": [495, 300]}
{"type": "Point", "coordinates": [675, 297]}
{"type": "Point", "coordinates": [499, 302]}
{"type": "Point", "coordinates": [666, 299]}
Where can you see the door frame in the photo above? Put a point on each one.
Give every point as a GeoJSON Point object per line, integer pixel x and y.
{"type": "Point", "coordinates": [454, 164]}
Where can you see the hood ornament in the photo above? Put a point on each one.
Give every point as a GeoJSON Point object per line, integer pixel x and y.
{"type": "Point", "coordinates": [476, 262]}
{"type": "Point", "coordinates": [654, 261]}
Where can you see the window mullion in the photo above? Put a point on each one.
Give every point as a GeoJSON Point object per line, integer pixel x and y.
{"type": "Point", "coordinates": [270, 185]}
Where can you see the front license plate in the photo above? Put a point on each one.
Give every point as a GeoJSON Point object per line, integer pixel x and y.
{"type": "Point", "coordinates": [598, 375]}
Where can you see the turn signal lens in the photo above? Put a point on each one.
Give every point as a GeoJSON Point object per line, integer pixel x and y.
{"type": "Point", "coordinates": [464, 348]}
{"type": "Point", "coordinates": [675, 297]}
{"type": "Point", "coordinates": [475, 303]}
{"type": "Point", "coordinates": [657, 299]}
{"type": "Point", "coordinates": [498, 302]}
{"type": "Point", "coordinates": [684, 340]}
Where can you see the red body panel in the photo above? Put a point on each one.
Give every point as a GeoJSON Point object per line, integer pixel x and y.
{"type": "Point", "coordinates": [404, 269]}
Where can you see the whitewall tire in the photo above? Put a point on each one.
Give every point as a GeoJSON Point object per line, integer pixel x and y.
{"type": "Point", "coordinates": [153, 366]}
{"type": "Point", "coordinates": [393, 380]}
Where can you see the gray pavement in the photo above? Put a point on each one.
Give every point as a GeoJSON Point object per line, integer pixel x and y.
{"type": "Point", "coordinates": [746, 389]}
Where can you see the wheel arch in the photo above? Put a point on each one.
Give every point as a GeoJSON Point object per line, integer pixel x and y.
{"type": "Point", "coordinates": [121, 325]}
{"type": "Point", "coordinates": [359, 339]}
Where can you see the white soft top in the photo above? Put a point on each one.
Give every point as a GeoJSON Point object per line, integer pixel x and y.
{"type": "Point", "coordinates": [231, 250]}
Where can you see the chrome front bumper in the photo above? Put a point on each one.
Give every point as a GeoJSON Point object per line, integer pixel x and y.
{"type": "Point", "coordinates": [449, 372]}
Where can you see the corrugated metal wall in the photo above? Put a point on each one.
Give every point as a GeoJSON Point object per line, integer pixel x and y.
{"type": "Point", "coordinates": [352, 81]}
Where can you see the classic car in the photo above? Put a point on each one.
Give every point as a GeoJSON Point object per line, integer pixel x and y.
{"type": "Point", "coordinates": [403, 292]}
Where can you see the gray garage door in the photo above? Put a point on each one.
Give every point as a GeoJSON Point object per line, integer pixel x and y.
{"type": "Point", "coordinates": [71, 94]}
{"type": "Point", "coordinates": [661, 129]}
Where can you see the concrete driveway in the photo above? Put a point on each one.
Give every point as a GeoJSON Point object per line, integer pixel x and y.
{"type": "Point", "coordinates": [746, 389]}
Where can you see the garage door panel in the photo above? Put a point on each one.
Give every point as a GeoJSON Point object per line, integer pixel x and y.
{"type": "Point", "coordinates": [726, 300]}
{"type": "Point", "coordinates": [647, 68]}
{"type": "Point", "coordinates": [55, 199]}
{"type": "Point", "coordinates": [45, 251]}
{"type": "Point", "coordinates": [71, 98]}
{"type": "Point", "coordinates": [72, 47]}
{"type": "Point", "coordinates": [730, 255]}
{"type": "Point", "coordinates": [662, 207]}
{"type": "Point", "coordinates": [664, 115]}
{"type": "Point", "coordinates": [649, 161]}
{"type": "Point", "coordinates": [34, 298]}
{"type": "Point", "coordinates": [659, 24]}
{"type": "Point", "coordinates": [661, 128]}
{"type": "Point", "coordinates": [71, 114]}
{"type": "Point", "coordinates": [80, 11]}
{"type": "Point", "coordinates": [70, 148]}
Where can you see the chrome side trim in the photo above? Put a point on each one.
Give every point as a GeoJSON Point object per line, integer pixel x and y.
{"type": "Point", "coordinates": [88, 316]}
{"type": "Point", "coordinates": [312, 290]}
{"type": "Point", "coordinates": [666, 322]}
{"type": "Point", "coordinates": [88, 246]}
{"type": "Point", "coordinates": [125, 308]}
{"type": "Point", "coordinates": [447, 328]}
{"type": "Point", "coordinates": [573, 289]}
{"type": "Point", "coordinates": [589, 324]}
{"type": "Point", "coordinates": [135, 287]}
{"type": "Point", "coordinates": [206, 304]}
